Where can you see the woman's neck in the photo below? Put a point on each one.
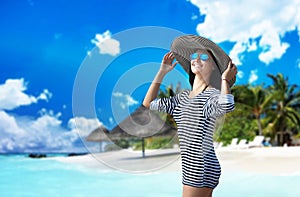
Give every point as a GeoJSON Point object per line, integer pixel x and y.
{"type": "Point", "coordinates": [199, 85]}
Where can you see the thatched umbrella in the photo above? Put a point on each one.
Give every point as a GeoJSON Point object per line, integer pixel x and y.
{"type": "Point", "coordinates": [142, 123]}
{"type": "Point", "coordinates": [98, 135]}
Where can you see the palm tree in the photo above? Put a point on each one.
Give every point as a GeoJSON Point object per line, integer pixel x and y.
{"type": "Point", "coordinates": [286, 105]}
{"type": "Point", "coordinates": [167, 93]}
{"type": "Point", "coordinates": [254, 99]}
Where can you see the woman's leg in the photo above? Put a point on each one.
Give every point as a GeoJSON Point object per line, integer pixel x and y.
{"type": "Point", "coordinates": [189, 191]}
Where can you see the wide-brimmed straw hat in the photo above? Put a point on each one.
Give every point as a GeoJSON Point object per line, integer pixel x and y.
{"type": "Point", "coordinates": [183, 46]}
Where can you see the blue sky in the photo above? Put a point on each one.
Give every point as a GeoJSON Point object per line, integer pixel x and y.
{"type": "Point", "coordinates": [47, 45]}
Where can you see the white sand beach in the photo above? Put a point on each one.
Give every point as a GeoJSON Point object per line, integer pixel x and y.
{"type": "Point", "coordinates": [130, 161]}
{"type": "Point", "coordinates": [273, 160]}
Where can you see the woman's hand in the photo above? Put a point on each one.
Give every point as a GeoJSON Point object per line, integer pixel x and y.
{"type": "Point", "coordinates": [166, 65]}
{"type": "Point", "coordinates": [230, 73]}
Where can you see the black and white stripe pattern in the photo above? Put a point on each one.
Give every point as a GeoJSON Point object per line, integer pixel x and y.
{"type": "Point", "coordinates": [195, 118]}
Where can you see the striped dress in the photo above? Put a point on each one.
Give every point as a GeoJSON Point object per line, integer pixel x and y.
{"type": "Point", "coordinates": [195, 118]}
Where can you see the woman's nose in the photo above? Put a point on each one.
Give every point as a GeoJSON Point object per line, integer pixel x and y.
{"type": "Point", "coordinates": [195, 60]}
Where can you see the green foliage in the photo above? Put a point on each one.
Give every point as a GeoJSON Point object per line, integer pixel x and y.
{"type": "Point", "coordinates": [123, 143]}
{"type": "Point", "coordinates": [255, 100]}
{"type": "Point", "coordinates": [286, 104]}
{"type": "Point", "coordinates": [168, 92]}
{"type": "Point", "coordinates": [263, 111]}
{"type": "Point", "coordinates": [111, 147]}
{"type": "Point", "coordinates": [155, 143]}
{"type": "Point", "coordinates": [117, 145]}
{"type": "Point", "coordinates": [259, 110]}
{"type": "Point", "coordinates": [237, 124]}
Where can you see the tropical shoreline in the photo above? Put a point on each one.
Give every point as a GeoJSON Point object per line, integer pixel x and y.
{"type": "Point", "coordinates": [272, 161]}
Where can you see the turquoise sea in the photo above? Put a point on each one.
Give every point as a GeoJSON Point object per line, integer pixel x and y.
{"type": "Point", "coordinates": [23, 176]}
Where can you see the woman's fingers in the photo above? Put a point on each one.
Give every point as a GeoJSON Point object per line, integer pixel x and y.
{"type": "Point", "coordinates": [167, 63]}
{"type": "Point", "coordinates": [171, 56]}
{"type": "Point", "coordinates": [232, 67]}
{"type": "Point", "coordinates": [229, 65]}
{"type": "Point", "coordinates": [230, 72]}
{"type": "Point", "coordinates": [174, 64]}
{"type": "Point", "coordinates": [168, 58]}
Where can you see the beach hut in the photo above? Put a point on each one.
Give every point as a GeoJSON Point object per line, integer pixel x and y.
{"type": "Point", "coordinates": [142, 123]}
{"type": "Point", "coordinates": [98, 135]}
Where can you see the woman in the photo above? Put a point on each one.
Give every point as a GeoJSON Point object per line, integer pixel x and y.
{"type": "Point", "coordinates": [195, 111]}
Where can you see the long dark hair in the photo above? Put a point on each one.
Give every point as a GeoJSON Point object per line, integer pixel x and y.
{"type": "Point", "coordinates": [191, 77]}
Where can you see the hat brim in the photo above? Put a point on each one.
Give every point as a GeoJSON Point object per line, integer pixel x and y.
{"type": "Point", "coordinates": [183, 46]}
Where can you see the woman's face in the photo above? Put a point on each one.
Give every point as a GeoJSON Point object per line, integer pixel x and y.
{"type": "Point", "coordinates": [202, 63]}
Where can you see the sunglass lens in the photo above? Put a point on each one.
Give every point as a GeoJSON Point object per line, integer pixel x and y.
{"type": "Point", "coordinates": [194, 56]}
{"type": "Point", "coordinates": [203, 56]}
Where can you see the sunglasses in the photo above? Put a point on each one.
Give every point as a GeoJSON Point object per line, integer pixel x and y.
{"type": "Point", "coordinates": [205, 57]}
{"type": "Point", "coordinates": [201, 56]}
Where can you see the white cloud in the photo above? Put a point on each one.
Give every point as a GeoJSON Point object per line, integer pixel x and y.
{"type": "Point", "coordinates": [238, 48]}
{"type": "Point", "coordinates": [118, 94]}
{"type": "Point", "coordinates": [46, 120]}
{"type": "Point", "coordinates": [243, 21]}
{"type": "Point", "coordinates": [12, 94]}
{"type": "Point", "coordinates": [89, 53]}
{"type": "Point", "coordinates": [45, 133]}
{"type": "Point", "coordinates": [124, 100]}
{"type": "Point", "coordinates": [194, 17]}
{"type": "Point", "coordinates": [9, 125]}
{"type": "Point", "coordinates": [253, 76]}
{"type": "Point", "coordinates": [252, 46]}
{"type": "Point", "coordinates": [45, 95]}
{"type": "Point", "coordinates": [272, 47]}
{"type": "Point", "coordinates": [106, 44]}
{"type": "Point", "coordinates": [240, 74]}
{"type": "Point", "coordinates": [83, 126]}
{"type": "Point", "coordinates": [111, 120]}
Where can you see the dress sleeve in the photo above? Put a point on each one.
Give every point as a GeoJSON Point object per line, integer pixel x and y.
{"type": "Point", "coordinates": [218, 105]}
{"type": "Point", "coordinates": [165, 104]}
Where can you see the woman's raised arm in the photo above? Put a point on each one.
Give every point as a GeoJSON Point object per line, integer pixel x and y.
{"type": "Point", "coordinates": [166, 66]}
